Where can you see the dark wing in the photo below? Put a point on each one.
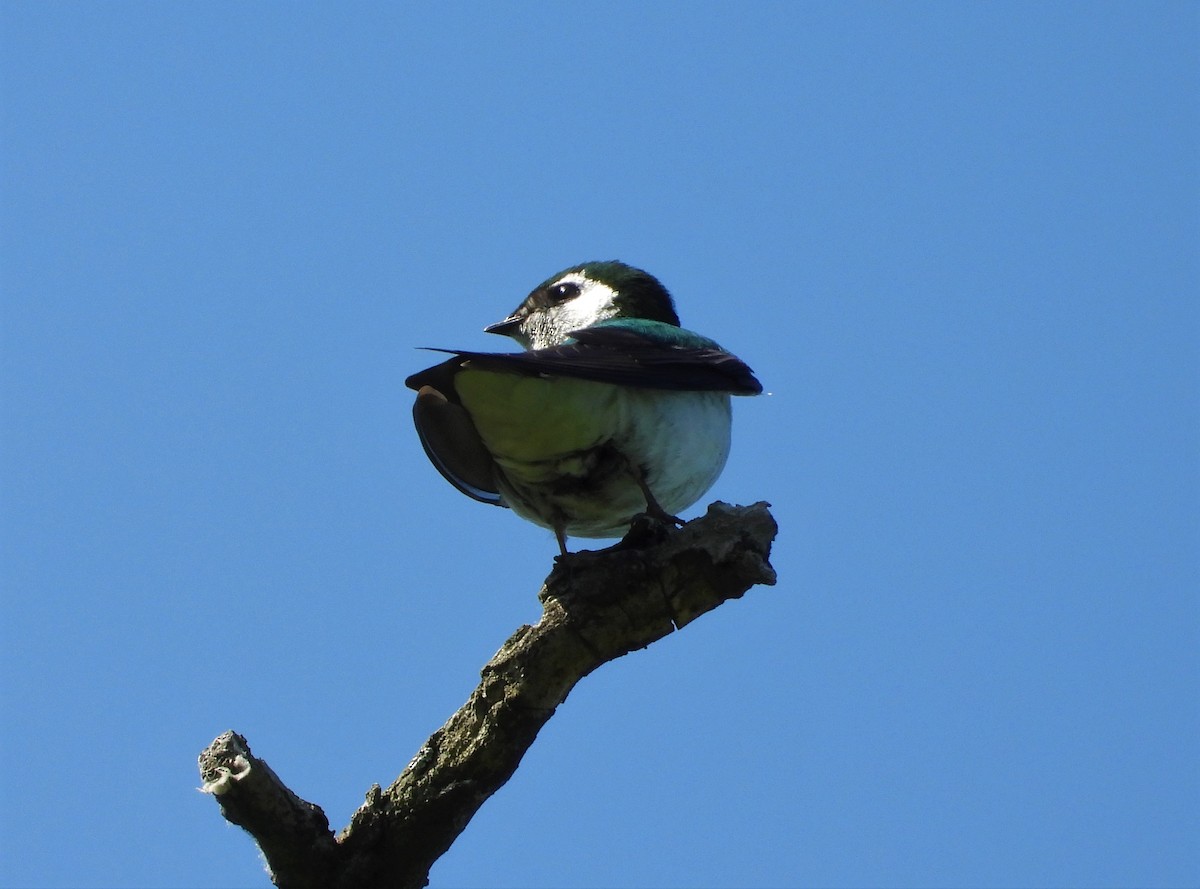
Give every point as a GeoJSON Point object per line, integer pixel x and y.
{"type": "Point", "coordinates": [651, 355]}
{"type": "Point", "coordinates": [449, 436]}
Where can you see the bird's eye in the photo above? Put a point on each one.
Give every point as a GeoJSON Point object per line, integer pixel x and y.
{"type": "Point", "coordinates": [564, 291]}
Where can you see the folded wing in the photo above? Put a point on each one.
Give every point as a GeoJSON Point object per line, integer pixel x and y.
{"type": "Point", "coordinates": [645, 354]}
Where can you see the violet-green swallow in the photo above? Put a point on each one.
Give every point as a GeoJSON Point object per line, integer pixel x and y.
{"type": "Point", "coordinates": [613, 411]}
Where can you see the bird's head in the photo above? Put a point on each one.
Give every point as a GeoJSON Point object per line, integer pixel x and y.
{"type": "Point", "coordinates": [584, 295]}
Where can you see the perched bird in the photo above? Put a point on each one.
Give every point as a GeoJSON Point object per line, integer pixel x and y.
{"type": "Point", "coordinates": [613, 411]}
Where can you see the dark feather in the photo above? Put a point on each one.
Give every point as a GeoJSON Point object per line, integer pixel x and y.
{"type": "Point", "coordinates": [453, 444]}
{"type": "Point", "coordinates": [612, 353]}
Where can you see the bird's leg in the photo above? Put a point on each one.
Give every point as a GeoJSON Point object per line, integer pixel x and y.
{"type": "Point", "coordinates": [558, 522]}
{"type": "Point", "coordinates": [653, 509]}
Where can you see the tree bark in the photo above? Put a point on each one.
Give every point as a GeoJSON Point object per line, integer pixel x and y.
{"type": "Point", "coordinates": [596, 607]}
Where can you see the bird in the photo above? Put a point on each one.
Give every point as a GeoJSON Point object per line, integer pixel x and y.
{"type": "Point", "coordinates": [611, 410]}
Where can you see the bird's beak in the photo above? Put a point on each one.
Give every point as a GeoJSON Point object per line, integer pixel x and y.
{"type": "Point", "coordinates": [507, 327]}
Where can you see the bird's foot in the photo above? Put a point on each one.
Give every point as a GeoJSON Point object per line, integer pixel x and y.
{"type": "Point", "coordinates": [658, 514]}
{"type": "Point", "coordinates": [648, 529]}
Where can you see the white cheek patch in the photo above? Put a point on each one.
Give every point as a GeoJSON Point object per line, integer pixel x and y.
{"type": "Point", "coordinates": [594, 303]}
{"type": "Point", "coordinates": [550, 327]}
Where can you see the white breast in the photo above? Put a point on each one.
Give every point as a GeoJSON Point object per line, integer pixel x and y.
{"type": "Point", "coordinates": [680, 440]}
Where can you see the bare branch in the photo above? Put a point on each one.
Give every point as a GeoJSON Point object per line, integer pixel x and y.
{"type": "Point", "coordinates": [293, 835]}
{"type": "Point", "coordinates": [597, 606]}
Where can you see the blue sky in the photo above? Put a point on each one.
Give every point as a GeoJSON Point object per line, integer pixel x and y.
{"type": "Point", "coordinates": [957, 242]}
